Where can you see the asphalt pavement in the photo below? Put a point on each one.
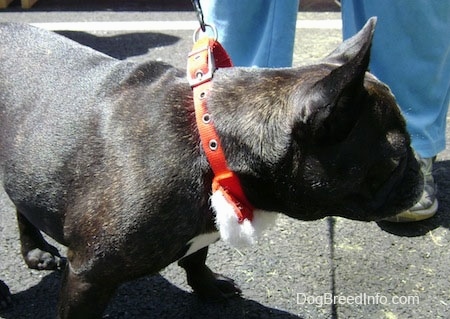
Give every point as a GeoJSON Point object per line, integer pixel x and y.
{"type": "Point", "coordinates": [331, 268]}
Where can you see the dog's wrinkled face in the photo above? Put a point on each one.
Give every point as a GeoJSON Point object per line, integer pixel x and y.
{"type": "Point", "coordinates": [326, 139]}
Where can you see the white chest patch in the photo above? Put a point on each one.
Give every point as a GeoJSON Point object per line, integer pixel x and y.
{"type": "Point", "coordinates": [200, 242]}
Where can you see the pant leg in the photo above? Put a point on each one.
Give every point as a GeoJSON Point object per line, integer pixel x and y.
{"type": "Point", "coordinates": [410, 53]}
{"type": "Point", "coordinates": [255, 32]}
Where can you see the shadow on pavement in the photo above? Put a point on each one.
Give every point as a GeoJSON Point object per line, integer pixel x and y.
{"type": "Point", "coordinates": [149, 297]}
{"type": "Point", "coordinates": [441, 173]}
{"type": "Point", "coordinates": [36, 302]}
{"type": "Point", "coordinates": [331, 222]}
{"type": "Point", "coordinates": [122, 46]}
{"type": "Point", "coordinates": [164, 300]}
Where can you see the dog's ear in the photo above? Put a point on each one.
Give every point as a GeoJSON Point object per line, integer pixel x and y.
{"type": "Point", "coordinates": [331, 108]}
{"type": "Point", "coordinates": [353, 46]}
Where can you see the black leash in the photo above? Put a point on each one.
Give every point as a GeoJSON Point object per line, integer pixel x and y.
{"type": "Point", "coordinates": [199, 12]}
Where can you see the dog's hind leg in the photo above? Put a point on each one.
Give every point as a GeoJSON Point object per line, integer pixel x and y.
{"type": "Point", "coordinates": [37, 253]}
{"type": "Point", "coordinates": [82, 298]}
{"type": "Point", "coordinates": [204, 282]}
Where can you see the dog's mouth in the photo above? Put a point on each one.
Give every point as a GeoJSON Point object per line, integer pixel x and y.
{"type": "Point", "coordinates": [397, 191]}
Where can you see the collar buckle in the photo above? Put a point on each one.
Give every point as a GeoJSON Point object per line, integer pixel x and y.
{"type": "Point", "coordinates": [201, 65]}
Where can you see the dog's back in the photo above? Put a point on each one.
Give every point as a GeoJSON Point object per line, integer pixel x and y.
{"type": "Point", "coordinates": [56, 68]}
{"type": "Point", "coordinates": [65, 111]}
{"type": "Point", "coordinates": [50, 99]}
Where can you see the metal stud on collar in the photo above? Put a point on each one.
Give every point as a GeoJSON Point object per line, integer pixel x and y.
{"type": "Point", "coordinates": [213, 145]}
{"type": "Point", "coordinates": [206, 118]}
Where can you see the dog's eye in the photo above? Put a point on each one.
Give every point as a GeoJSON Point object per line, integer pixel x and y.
{"type": "Point", "coordinates": [331, 134]}
{"type": "Point", "coordinates": [337, 127]}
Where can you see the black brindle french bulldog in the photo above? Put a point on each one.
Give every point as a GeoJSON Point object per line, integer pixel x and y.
{"type": "Point", "coordinates": [104, 156]}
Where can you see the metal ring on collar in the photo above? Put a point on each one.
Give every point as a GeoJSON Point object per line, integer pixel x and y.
{"type": "Point", "coordinates": [199, 32]}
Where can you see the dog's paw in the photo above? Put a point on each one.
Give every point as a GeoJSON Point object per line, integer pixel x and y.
{"type": "Point", "coordinates": [215, 288]}
{"type": "Point", "coordinates": [227, 287]}
{"type": "Point", "coordinates": [5, 296]}
{"type": "Point", "coordinates": [43, 260]}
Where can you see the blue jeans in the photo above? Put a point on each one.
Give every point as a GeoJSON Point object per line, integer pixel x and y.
{"type": "Point", "coordinates": [410, 53]}
{"type": "Point", "coordinates": [255, 32]}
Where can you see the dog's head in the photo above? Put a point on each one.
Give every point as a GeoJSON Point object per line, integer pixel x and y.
{"type": "Point", "coordinates": [319, 140]}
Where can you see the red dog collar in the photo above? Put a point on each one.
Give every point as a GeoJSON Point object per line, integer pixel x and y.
{"type": "Point", "coordinates": [207, 54]}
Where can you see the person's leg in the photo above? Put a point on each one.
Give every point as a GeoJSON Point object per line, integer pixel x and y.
{"type": "Point", "coordinates": [410, 53]}
{"type": "Point", "coordinates": [255, 32]}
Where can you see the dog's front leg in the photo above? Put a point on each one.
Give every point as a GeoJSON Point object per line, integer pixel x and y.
{"type": "Point", "coordinates": [204, 282]}
{"type": "Point", "coordinates": [37, 253]}
{"type": "Point", "coordinates": [81, 298]}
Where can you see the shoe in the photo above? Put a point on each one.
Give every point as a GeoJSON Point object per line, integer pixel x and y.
{"type": "Point", "coordinates": [427, 205]}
